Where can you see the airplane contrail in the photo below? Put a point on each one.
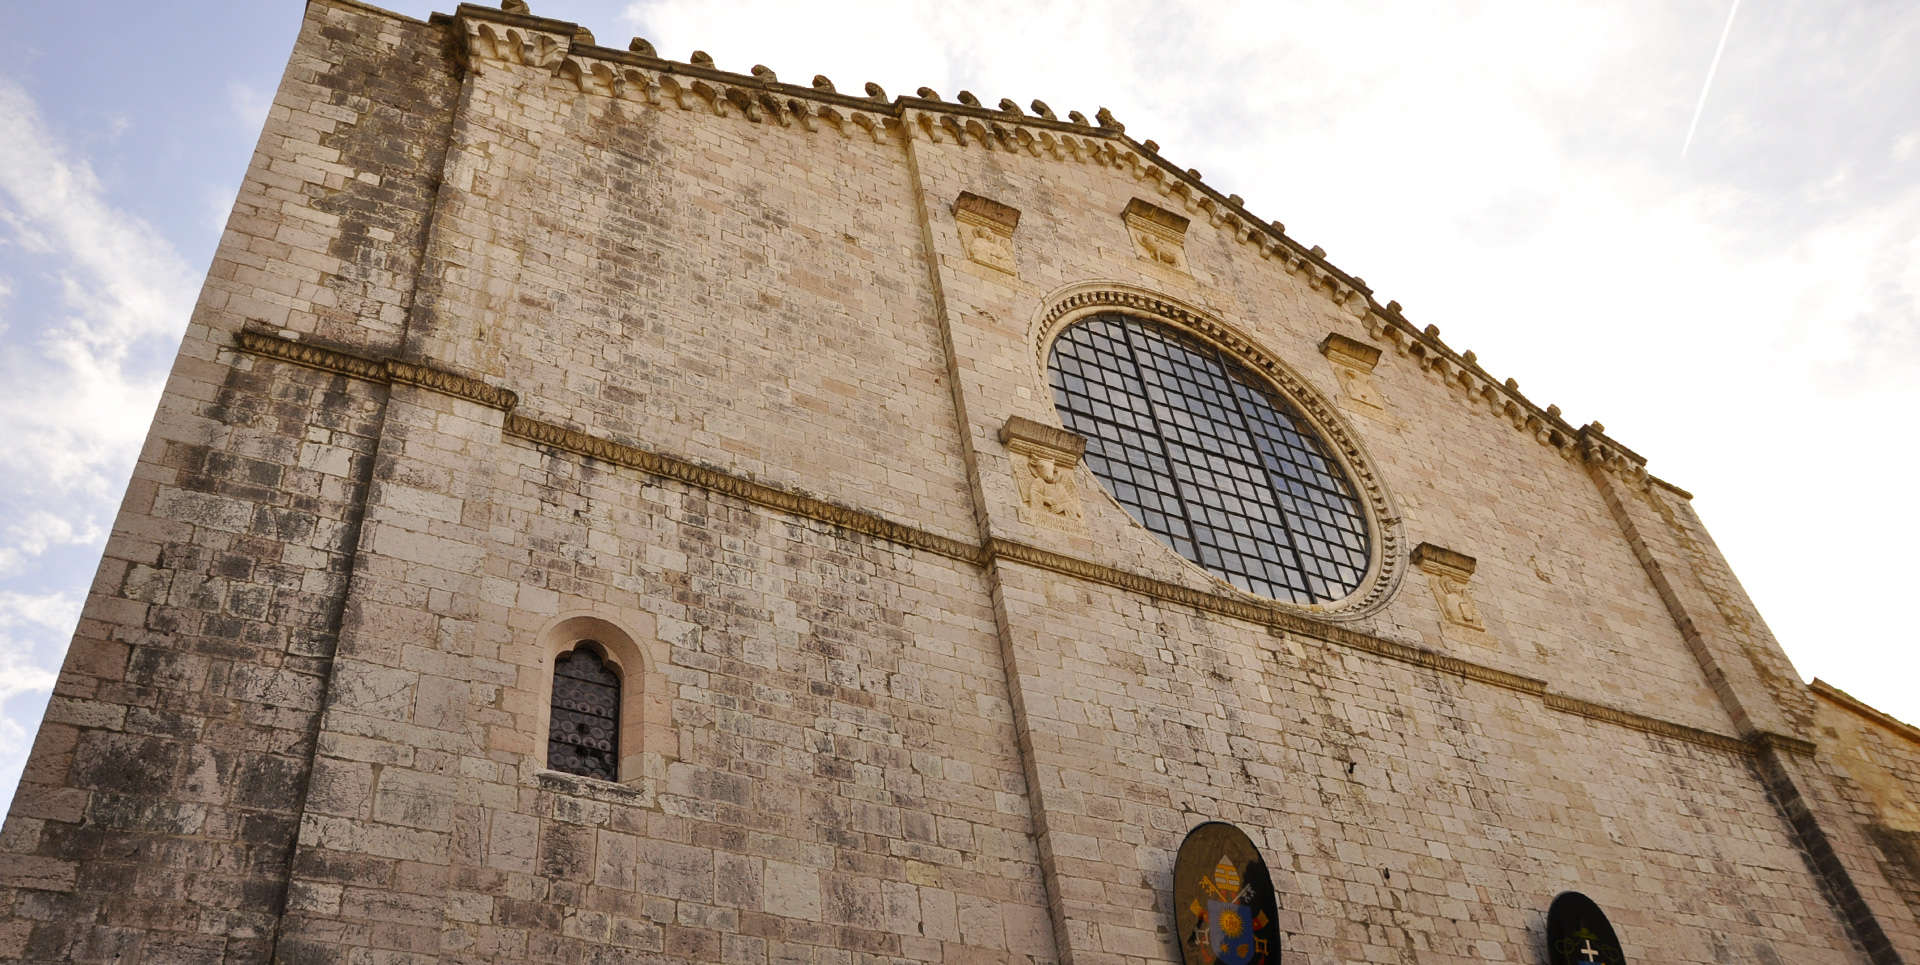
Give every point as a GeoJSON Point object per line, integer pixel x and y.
{"type": "Point", "coordinates": [1712, 69]}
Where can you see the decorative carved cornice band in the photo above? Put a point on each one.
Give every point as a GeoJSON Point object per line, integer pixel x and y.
{"type": "Point", "coordinates": [377, 370]}
{"type": "Point", "coordinates": [1783, 742]}
{"type": "Point", "coordinates": [1641, 722]}
{"type": "Point", "coordinates": [1277, 619]}
{"type": "Point", "coordinates": [1280, 622]}
{"type": "Point", "coordinates": [714, 480]}
{"type": "Point", "coordinates": [452, 383]}
{"type": "Point", "coordinates": [1433, 660]}
{"type": "Point", "coordinates": [312, 356]}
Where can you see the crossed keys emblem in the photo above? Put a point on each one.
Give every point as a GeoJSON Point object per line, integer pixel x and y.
{"type": "Point", "coordinates": [1227, 926]}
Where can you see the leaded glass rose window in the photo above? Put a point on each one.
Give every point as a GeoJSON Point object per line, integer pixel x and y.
{"type": "Point", "coordinates": [1211, 458]}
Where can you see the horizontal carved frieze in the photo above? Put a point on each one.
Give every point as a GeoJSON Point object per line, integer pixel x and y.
{"type": "Point", "coordinates": [725, 483]}
{"type": "Point", "coordinates": [376, 370]}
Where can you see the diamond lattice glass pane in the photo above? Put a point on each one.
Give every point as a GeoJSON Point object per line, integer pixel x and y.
{"type": "Point", "coordinates": [583, 736]}
{"type": "Point", "coordinates": [1209, 458]}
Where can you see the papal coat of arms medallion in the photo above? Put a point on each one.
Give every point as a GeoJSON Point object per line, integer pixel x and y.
{"type": "Point", "coordinates": [1223, 904]}
{"type": "Point", "coordinates": [1578, 933]}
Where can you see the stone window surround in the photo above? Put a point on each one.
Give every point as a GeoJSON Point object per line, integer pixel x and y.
{"type": "Point", "coordinates": [628, 660]}
{"type": "Point", "coordinates": [1213, 508]}
{"type": "Point", "coordinates": [1070, 304]}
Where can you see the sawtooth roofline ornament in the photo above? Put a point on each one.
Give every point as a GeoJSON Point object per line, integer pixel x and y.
{"type": "Point", "coordinates": [1578, 933]}
{"type": "Point", "coordinates": [1223, 904]}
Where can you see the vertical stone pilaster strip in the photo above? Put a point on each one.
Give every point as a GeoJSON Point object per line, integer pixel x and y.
{"type": "Point", "coordinates": [1744, 666]}
{"type": "Point", "coordinates": [295, 932]}
{"type": "Point", "coordinates": [1728, 672]}
{"type": "Point", "coordinates": [1784, 778]}
{"type": "Point", "coordinates": [1003, 627]}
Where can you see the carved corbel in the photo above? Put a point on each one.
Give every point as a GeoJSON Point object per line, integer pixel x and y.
{"type": "Point", "coordinates": [514, 43]}
{"type": "Point", "coordinates": [1044, 458]}
{"type": "Point", "coordinates": [1159, 235]}
{"type": "Point", "coordinates": [1448, 573]}
{"type": "Point", "coordinates": [715, 98]}
{"type": "Point", "coordinates": [742, 100]}
{"type": "Point", "coordinates": [986, 230]}
{"type": "Point", "coordinates": [682, 95]}
{"type": "Point", "coordinates": [1353, 363]}
{"type": "Point", "coordinates": [928, 127]}
{"type": "Point", "coordinates": [773, 110]}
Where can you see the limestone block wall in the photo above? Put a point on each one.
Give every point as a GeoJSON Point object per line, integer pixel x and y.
{"type": "Point", "coordinates": [1407, 814]}
{"type": "Point", "coordinates": [157, 814]}
{"type": "Point", "coordinates": [682, 280]}
{"type": "Point", "coordinates": [1597, 589]}
{"type": "Point", "coordinates": [832, 766]}
{"type": "Point", "coordinates": [515, 340]}
{"type": "Point", "coordinates": [1875, 762]}
{"type": "Point", "coordinates": [1562, 594]}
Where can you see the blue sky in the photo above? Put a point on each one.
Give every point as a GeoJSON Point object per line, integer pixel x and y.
{"type": "Point", "coordinates": [1746, 315]}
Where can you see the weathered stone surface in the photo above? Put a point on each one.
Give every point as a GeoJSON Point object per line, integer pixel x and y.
{"type": "Point", "coordinates": [552, 344]}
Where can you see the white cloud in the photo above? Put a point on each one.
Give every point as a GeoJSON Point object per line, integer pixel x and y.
{"type": "Point", "coordinates": [1907, 147]}
{"type": "Point", "coordinates": [249, 104]}
{"type": "Point", "coordinates": [108, 296]}
{"type": "Point", "coordinates": [29, 663]}
{"type": "Point", "coordinates": [31, 680]}
{"type": "Point", "coordinates": [50, 611]}
{"type": "Point", "coordinates": [117, 290]}
{"type": "Point", "coordinates": [39, 531]}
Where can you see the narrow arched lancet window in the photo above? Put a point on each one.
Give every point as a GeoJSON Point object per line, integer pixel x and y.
{"type": "Point", "coordinates": [583, 733]}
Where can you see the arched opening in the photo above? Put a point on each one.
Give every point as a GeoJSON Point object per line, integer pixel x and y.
{"type": "Point", "coordinates": [583, 725]}
{"type": "Point", "coordinates": [602, 707]}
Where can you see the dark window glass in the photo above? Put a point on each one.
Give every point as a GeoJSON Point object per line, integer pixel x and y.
{"type": "Point", "coordinates": [1210, 459]}
{"type": "Point", "coordinates": [583, 736]}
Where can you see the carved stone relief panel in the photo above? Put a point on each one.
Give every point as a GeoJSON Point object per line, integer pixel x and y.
{"type": "Point", "coordinates": [1353, 363]}
{"type": "Point", "coordinates": [1159, 235]}
{"type": "Point", "coordinates": [1448, 574]}
{"type": "Point", "coordinates": [986, 230]}
{"type": "Point", "coordinates": [1044, 458]}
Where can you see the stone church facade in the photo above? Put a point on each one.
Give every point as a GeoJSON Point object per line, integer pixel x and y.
{"type": "Point", "coordinates": [515, 341]}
